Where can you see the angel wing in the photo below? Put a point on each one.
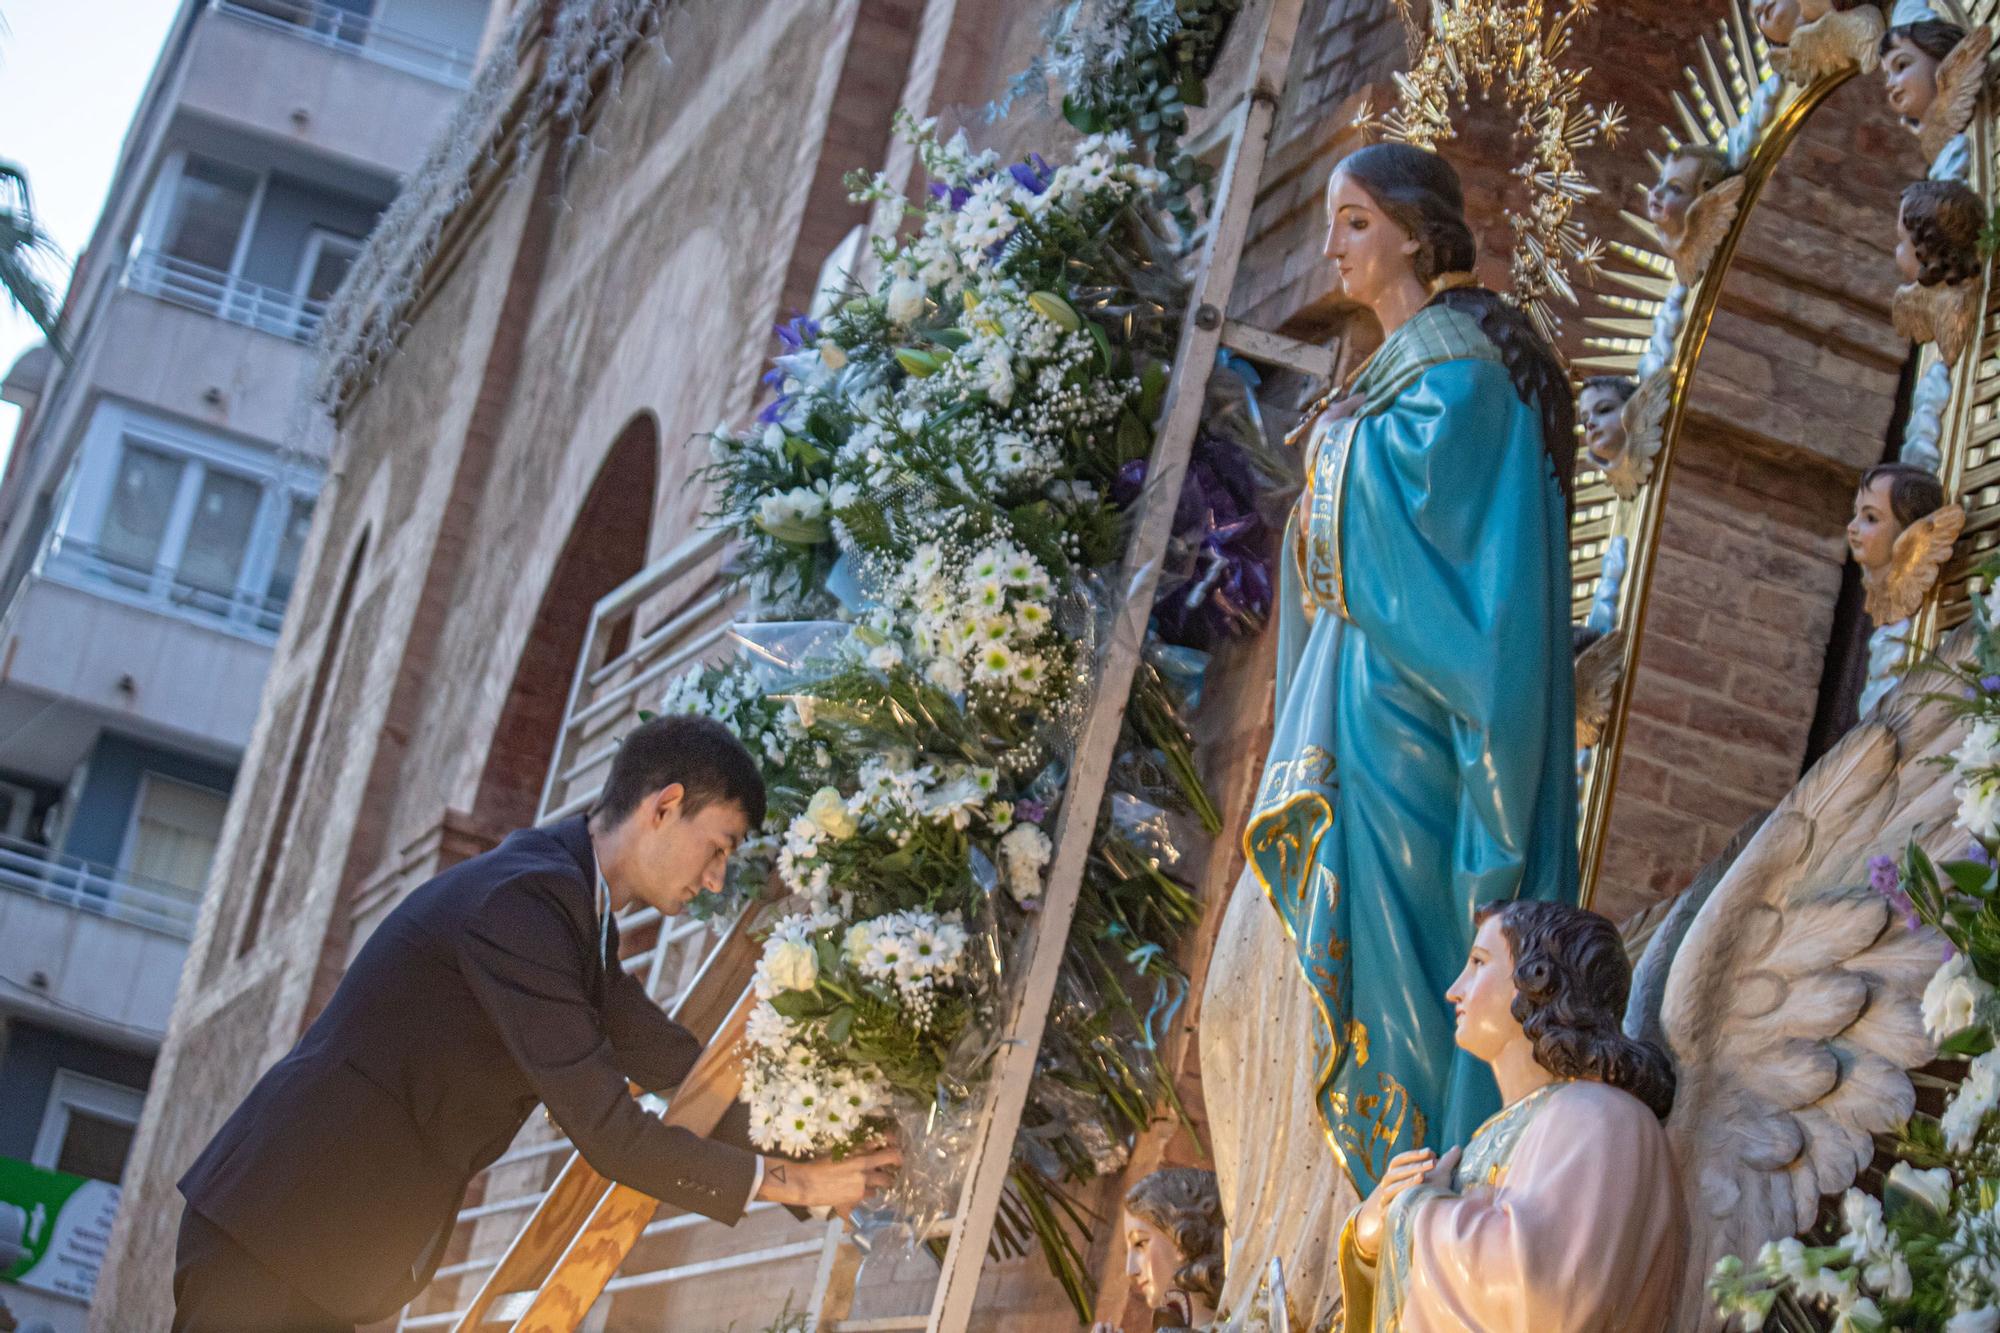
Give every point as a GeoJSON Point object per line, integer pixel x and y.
{"type": "Point", "coordinates": [1644, 418]}
{"type": "Point", "coordinates": [1839, 40]}
{"type": "Point", "coordinates": [1708, 219]}
{"type": "Point", "coordinates": [1960, 77]}
{"type": "Point", "coordinates": [1944, 314]}
{"type": "Point", "coordinates": [1916, 560]}
{"type": "Point", "coordinates": [1791, 1005]}
{"type": "Point", "coordinates": [1598, 668]}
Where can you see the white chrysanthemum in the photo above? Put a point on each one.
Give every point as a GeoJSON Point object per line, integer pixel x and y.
{"type": "Point", "coordinates": [1975, 1099]}
{"type": "Point", "coordinates": [1981, 747]}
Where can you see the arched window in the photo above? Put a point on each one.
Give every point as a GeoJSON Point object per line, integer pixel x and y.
{"type": "Point", "coordinates": [303, 745]}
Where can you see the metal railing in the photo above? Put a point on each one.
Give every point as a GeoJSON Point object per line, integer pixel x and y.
{"type": "Point", "coordinates": [213, 292]}
{"type": "Point", "coordinates": [359, 35]}
{"type": "Point", "coordinates": [88, 887]}
{"type": "Point", "coordinates": [80, 564]}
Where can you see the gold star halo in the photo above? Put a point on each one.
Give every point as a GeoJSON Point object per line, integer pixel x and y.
{"type": "Point", "coordinates": [1516, 46]}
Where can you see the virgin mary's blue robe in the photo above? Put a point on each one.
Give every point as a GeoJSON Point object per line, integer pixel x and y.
{"type": "Point", "coordinates": [1424, 756]}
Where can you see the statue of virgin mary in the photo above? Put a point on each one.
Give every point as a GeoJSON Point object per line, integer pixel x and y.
{"type": "Point", "coordinates": [1423, 760]}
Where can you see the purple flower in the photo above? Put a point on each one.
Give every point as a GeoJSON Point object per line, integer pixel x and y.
{"type": "Point", "coordinates": [957, 194]}
{"type": "Point", "coordinates": [1032, 812]}
{"type": "Point", "coordinates": [1991, 684]}
{"type": "Point", "coordinates": [1883, 879]}
{"type": "Point", "coordinates": [1976, 851]}
{"type": "Point", "coordinates": [797, 333]}
{"type": "Point", "coordinates": [1033, 175]}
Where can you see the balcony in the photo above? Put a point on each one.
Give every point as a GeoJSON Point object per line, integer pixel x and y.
{"type": "Point", "coordinates": [82, 565]}
{"type": "Point", "coordinates": [86, 946]}
{"type": "Point", "coordinates": [213, 292]}
{"type": "Point", "coordinates": [359, 35]}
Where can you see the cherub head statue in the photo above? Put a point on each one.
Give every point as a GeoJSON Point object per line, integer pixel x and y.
{"type": "Point", "coordinates": [1937, 233]}
{"type": "Point", "coordinates": [1685, 174]}
{"type": "Point", "coordinates": [1779, 19]}
{"type": "Point", "coordinates": [1395, 215]}
{"type": "Point", "coordinates": [1600, 409]}
{"type": "Point", "coordinates": [1911, 54]}
{"type": "Point", "coordinates": [1553, 979]}
{"type": "Point", "coordinates": [1173, 1241]}
{"type": "Point", "coordinates": [1901, 535]}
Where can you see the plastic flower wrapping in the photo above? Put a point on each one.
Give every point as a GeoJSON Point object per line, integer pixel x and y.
{"type": "Point", "coordinates": [927, 513]}
{"type": "Point", "coordinates": [1921, 1251]}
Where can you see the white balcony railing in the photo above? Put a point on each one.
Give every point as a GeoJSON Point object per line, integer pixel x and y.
{"type": "Point", "coordinates": [81, 565]}
{"type": "Point", "coordinates": [213, 292]}
{"type": "Point", "coordinates": [101, 890]}
{"type": "Point", "coordinates": [357, 34]}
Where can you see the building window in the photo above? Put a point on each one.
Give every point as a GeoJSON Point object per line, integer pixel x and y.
{"type": "Point", "coordinates": [206, 529]}
{"type": "Point", "coordinates": [87, 1126]}
{"type": "Point", "coordinates": [175, 828]}
{"type": "Point", "coordinates": [204, 224]}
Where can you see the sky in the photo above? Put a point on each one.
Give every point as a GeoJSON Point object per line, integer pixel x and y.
{"type": "Point", "coordinates": [71, 72]}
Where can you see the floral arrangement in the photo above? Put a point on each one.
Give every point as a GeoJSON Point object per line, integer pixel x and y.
{"type": "Point", "coordinates": [1134, 66]}
{"type": "Point", "coordinates": [1925, 1254]}
{"type": "Point", "coordinates": [928, 505]}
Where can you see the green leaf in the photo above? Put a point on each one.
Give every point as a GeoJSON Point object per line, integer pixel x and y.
{"type": "Point", "coordinates": [1968, 1043]}
{"type": "Point", "coordinates": [1134, 439]}
{"type": "Point", "coordinates": [1086, 119]}
{"type": "Point", "coordinates": [798, 1005]}
{"type": "Point", "coordinates": [838, 1026]}
{"type": "Point", "coordinates": [827, 953]}
{"type": "Point", "coordinates": [1971, 878]}
{"type": "Point", "coordinates": [804, 452]}
{"type": "Point", "coordinates": [1103, 343]}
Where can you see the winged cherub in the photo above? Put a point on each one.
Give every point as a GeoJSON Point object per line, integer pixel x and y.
{"type": "Point", "coordinates": [1933, 72]}
{"type": "Point", "coordinates": [1692, 205]}
{"type": "Point", "coordinates": [1811, 39]}
{"type": "Point", "coordinates": [1937, 252]}
{"type": "Point", "coordinates": [1901, 536]}
{"type": "Point", "coordinates": [1624, 424]}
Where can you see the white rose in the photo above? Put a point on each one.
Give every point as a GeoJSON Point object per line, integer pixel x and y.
{"type": "Point", "coordinates": [1933, 1187]}
{"type": "Point", "coordinates": [1981, 746]}
{"type": "Point", "coordinates": [906, 300]}
{"type": "Point", "coordinates": [791, 965]}
{"type": "Point", "coordinates": [1864, 1316]}
{"type": "Point", "coordinates": [1986, 1319]}
{"type": "Point", "coordinates": [1979, 808]}
{"type": "Point", "coordinates": [828, 812]}
{"type": "Point", "coordinates": [1953, 998]}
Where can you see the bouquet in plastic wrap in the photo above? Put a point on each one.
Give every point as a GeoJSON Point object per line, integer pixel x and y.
{"type": "Point", "coordinates": [926, 514]}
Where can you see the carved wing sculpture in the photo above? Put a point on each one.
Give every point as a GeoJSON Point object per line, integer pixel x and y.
{"type": "Point", "coordinates": [1791, 1008]}
{"type": "Point", "coordinates": [1598, 668]}
{"type": "Point", "coordinates": [1915, 561]}
{"type": "Point", "coordinates": [1944, 314]}
{"type": "Point", "coordinates": [1839, 40]}
{"type": "Point", "coordinates": [1644, 418]}
{"type": "Point", "coordinates": [1708, 219]}
{"type": "Point", "coordinates": [1960, 77]}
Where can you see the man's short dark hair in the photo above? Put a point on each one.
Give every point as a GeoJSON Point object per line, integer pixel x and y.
{"type": "Point", "coordinates": [698, 752]}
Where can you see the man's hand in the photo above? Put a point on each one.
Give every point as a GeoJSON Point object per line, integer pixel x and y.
{"type": "Point", "coordinates": [825, 1183]}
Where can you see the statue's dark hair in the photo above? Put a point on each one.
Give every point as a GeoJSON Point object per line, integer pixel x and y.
{"type": "Point", "coordinates": [1420, 191]}
{"type": "Point", "coordinates": [1184, 1202]}
{"type": "Point", "coordinates": [1571, 981]}
{"type": "Point", "coordinates": [1914, 492]}
{"type": "Point", "coordinates": [1622, 385]}
{"type": "Point", "coordinates": [1945, 219]}
{"type": "Point", "coordinates": [1934, 37]}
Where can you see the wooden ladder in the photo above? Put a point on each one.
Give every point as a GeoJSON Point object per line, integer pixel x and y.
{"type": "Point", "coordinates": [584, 1227]}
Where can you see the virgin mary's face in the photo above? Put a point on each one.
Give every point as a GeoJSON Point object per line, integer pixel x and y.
{"type": "Point", "coordinates": [1372, 253]}
{"type": "Point", "coordinates": [1910, 76]}
{"type": "Point", "coordinates": [1483, 995]}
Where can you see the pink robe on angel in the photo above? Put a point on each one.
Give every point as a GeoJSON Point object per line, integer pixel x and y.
{"type": "Point", "coordinates": [1565, 1216]}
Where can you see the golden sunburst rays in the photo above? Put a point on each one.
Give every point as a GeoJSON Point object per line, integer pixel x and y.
{"type": "Point", "coordinates": [1715, 107]}
{"type": "Point", "coordinates": [1516, 47]}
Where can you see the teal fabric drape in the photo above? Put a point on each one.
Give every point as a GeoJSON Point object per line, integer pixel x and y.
{"type": "Point", "coordinates": [1423, 761]}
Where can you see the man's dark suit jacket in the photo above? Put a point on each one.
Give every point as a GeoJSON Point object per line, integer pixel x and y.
{"type": "Point", "coordinates": [485, 991]}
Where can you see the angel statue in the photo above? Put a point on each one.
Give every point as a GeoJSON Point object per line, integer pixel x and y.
{"type": "Point", "coordinates": [1563, 1213]}
{"type": "Point", "coordinates": [1624, 425]}
{"type": "Point", "coordinates": [1901, 536]}
{"type": "Point", "coordinates": [1424, 747]}
{"type": "Point", "coordinates": [1933, 72]}
{"type": "Point", "coordinates": [1812, 39]}
{"type": "Point", "coordinates": [1937, 253]}
{"type": "Point", "coordinates": [1173, 1246]}
{"type": "Point", "coordinates": [1692, 205]}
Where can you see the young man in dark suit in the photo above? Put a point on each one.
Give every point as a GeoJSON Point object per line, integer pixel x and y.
{"type": "Point", "coordinates": [328, 1197]}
